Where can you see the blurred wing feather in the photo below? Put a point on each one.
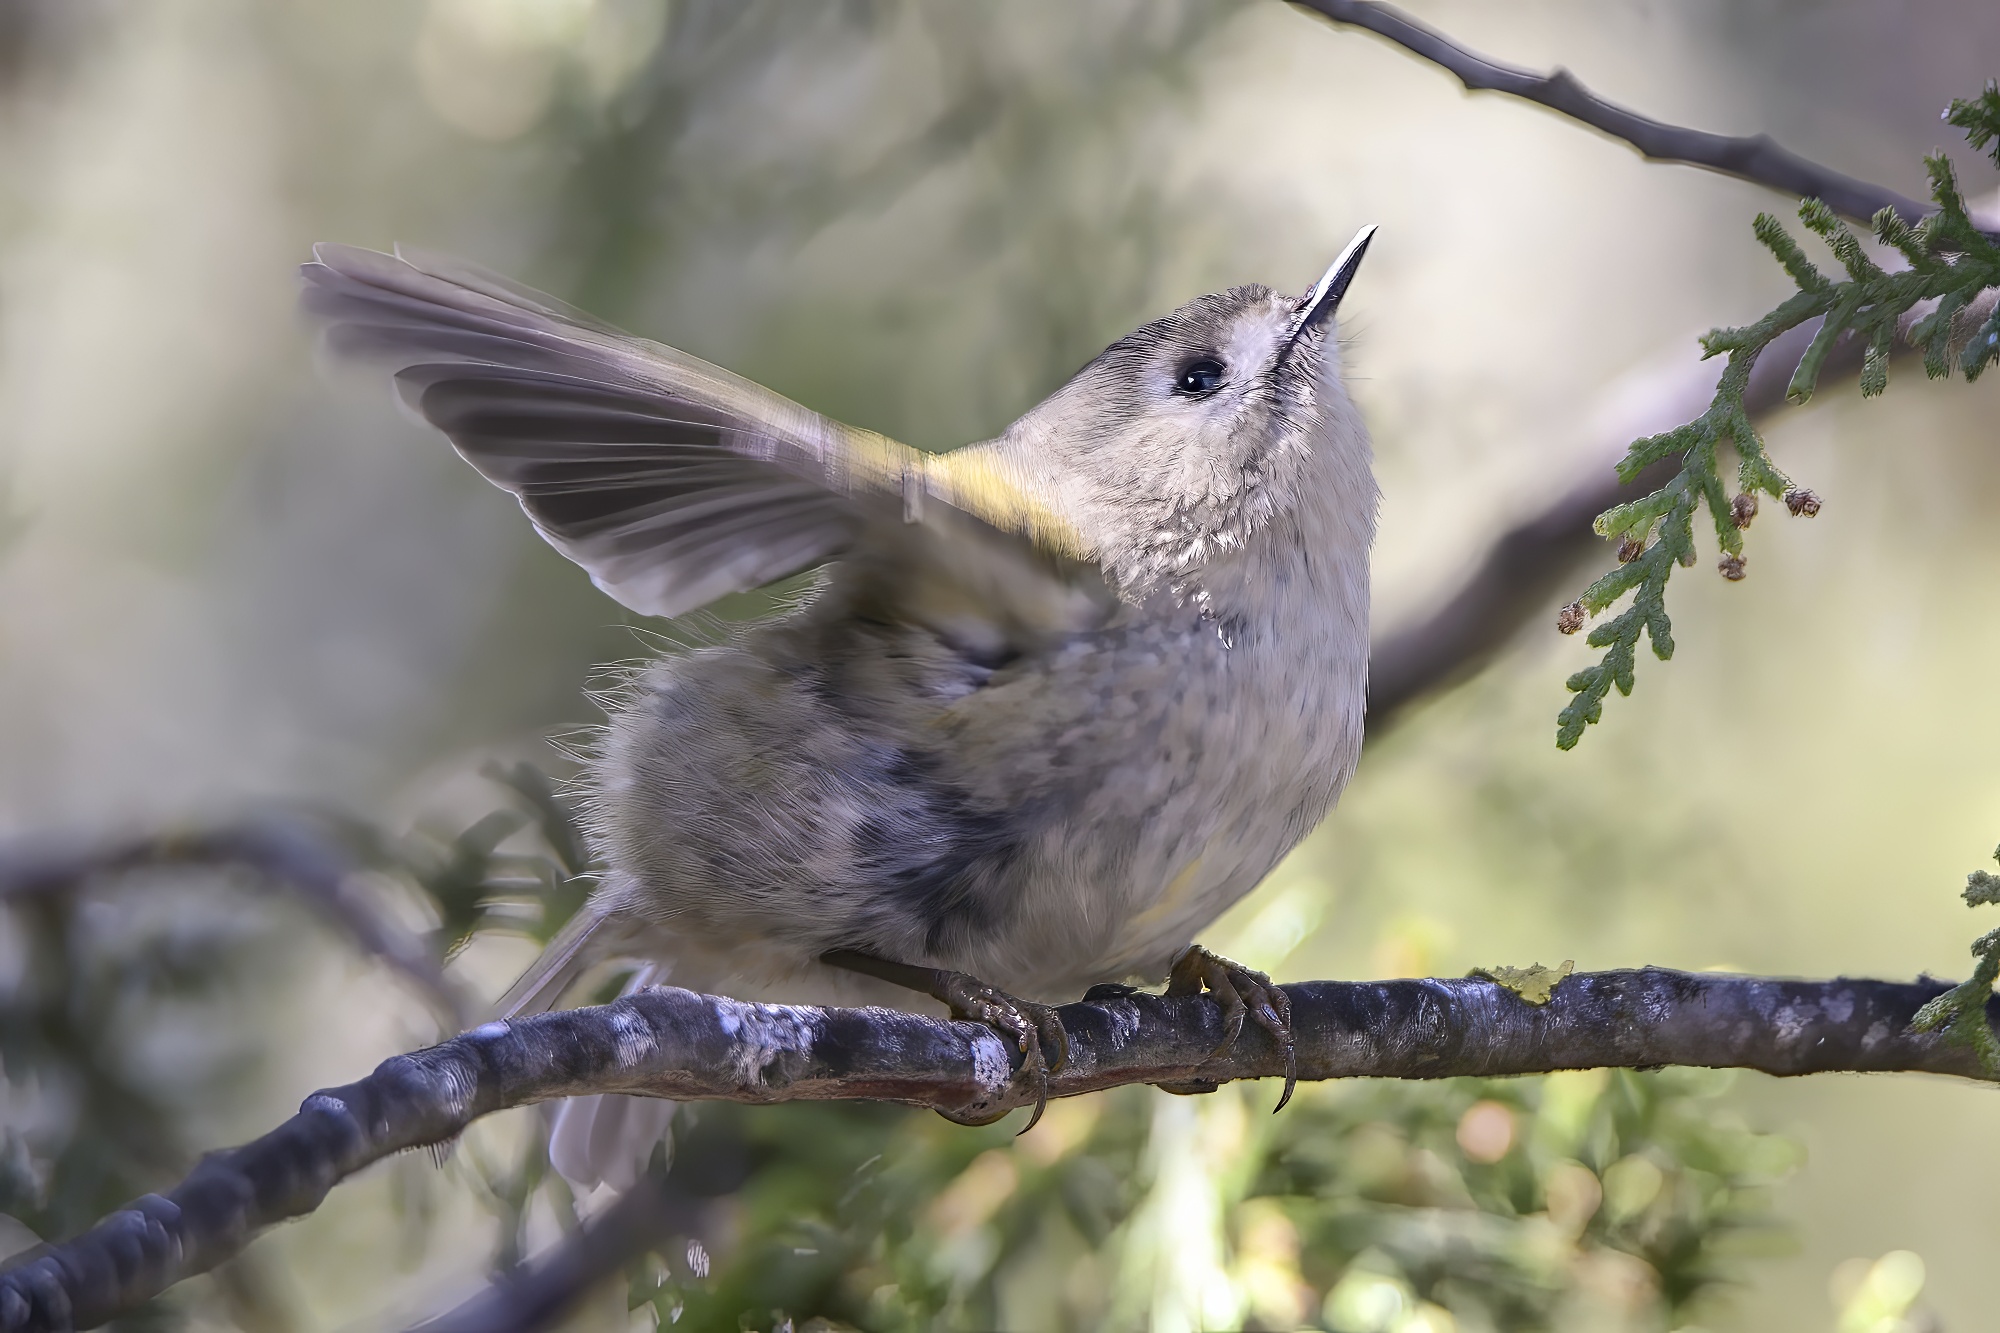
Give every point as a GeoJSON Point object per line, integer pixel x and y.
{"type": "Point", "coordinates": [671, 481]}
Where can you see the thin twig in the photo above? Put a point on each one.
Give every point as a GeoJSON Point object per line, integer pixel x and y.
{"type": "Point", "coordinates": [1756, 158]}
{"type": "Point", "coordinates": [674, 1043]}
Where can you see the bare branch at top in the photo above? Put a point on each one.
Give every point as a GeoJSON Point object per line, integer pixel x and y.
{"type": "Point", "coordinates": [1757, 158]}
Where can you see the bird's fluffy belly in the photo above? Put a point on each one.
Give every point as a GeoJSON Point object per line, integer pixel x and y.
{"type": "Point", "coordinates": [1196, 772]}
{"type": "Point", "coordinates": [1073, 822]}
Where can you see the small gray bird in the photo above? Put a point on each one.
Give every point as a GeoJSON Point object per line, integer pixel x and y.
{"type": "Point", "coordinates": [1057, 700]}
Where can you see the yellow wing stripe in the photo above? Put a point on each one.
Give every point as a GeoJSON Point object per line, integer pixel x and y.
{"type": "Point", "coordinates": [985, 483]}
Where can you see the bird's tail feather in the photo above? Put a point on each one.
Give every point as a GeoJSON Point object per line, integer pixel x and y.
{"type": "Point", "coordinates": [562, 961]}
{"type": "Point", "coordinates": [604, 1139]}
{"type": "Point", "coordinates": [607, 1138]}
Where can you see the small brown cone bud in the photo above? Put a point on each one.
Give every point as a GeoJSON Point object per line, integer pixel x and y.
{"type": "Point", "coordinates": [1731, 567]}
{"type": "Point", "coordinates": [1801, 502]}
{"type": "Point", "coordinates": [1630, 549]}
{"type": "Point", "coordinates": [1742, 509]}
{"type": "Point", "coordinates": [1687, 558]}
{"type": "Point", "coordinates": [1570, 619]}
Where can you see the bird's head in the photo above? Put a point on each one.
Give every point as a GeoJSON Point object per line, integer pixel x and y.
{"type": "Point", "coordinates": [1184, 439]}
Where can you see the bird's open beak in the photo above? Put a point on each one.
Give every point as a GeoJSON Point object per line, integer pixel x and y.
{"type": "Point", "coordinates": [1320, 303]}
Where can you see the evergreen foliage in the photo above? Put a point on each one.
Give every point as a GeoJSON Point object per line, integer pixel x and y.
{"type": "Point", "coordinates": [1590, 1199]}
{"type": "Point", "coordinates": [1950, 262]}
{"type": "Point", "coordinates": [1960, 1013]}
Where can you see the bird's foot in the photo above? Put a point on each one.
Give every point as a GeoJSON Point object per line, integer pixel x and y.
{"type": "Point", "coordinates": [1028, 1026]}
{"type": "Point", "coordinates": [1033, 1029]}
{"type": "Point", "coordinates": [1243, 993]}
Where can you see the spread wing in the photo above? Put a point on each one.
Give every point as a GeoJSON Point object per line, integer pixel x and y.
{"type": "Point", "coordinates": [673, 482]}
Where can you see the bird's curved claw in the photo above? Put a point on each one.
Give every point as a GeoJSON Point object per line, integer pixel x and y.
{"type": "Point", "coordinates": [1243, 993]}
{"type": "Point", "coordinates": [1033, 1029]}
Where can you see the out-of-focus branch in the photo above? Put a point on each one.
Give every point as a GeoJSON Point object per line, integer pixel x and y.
{"type": "Point", "coordinates": [308, 855]}
{"type": "Point", "coordinates": [538, 1293]}
{"type": "Point", "coordinates": [1756, 158]}
{"type": "Point", "coordinates": [674, 1043]}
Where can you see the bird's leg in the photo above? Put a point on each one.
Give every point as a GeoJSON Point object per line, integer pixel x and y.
{"type": "Point", "coordinates": [1242, 992]}
{"type": "Point", "coordinates": [1026, 1024]}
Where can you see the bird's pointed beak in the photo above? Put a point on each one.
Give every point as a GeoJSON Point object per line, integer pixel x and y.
{"type": "Point", "coordinates": [1324, 299]}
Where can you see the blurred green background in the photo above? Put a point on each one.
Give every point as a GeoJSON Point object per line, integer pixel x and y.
{"type": "Point", "coordinates": [228, 579]}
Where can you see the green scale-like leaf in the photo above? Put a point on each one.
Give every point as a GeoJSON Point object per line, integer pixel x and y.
{"type": "Point", "coordinates": [1950, 262]}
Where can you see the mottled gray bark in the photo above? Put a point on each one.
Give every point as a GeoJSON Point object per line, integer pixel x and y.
{"type": "Point", "coordinates": [677, 1044]}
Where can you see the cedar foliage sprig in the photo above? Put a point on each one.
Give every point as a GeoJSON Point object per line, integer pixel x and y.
{"type": "Point", "coordinates": [1960, 1013]}
{"type": "Point", "coordinates": [1951, 262]}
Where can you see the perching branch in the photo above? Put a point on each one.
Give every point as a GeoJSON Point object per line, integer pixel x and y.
{"type": "Point", "coordinates": [674, 1043]}
{"type": "Point", "coordinates": [1756, 158]}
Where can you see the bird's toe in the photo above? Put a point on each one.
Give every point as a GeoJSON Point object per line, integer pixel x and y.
{"type": "Point", "coordinates": [1243, 992]}
{"type": "Point", "coordinates": [1035, 1030]}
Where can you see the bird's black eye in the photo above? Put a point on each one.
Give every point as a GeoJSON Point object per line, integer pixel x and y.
{"type": "Point", "coordinates": [1200, 378]}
